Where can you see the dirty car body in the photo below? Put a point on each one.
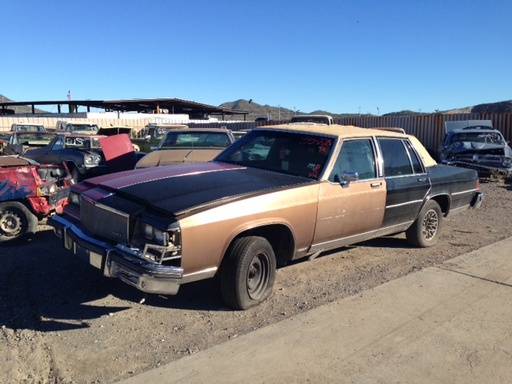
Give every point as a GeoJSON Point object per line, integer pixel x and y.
{"type": "Point", "coordinates": [477, 147]}
{"type": "Point", "coordinates": [29, 192]}
{"type": "Point", "coordinates": [277, 194]}
{"type": "Point", "coordinates": [188, 145]}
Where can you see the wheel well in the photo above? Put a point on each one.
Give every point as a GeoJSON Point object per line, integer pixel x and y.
{"type": "Point", "coordinates": [71, 165]}
{"type": "Point", "coordinates": [444, 203]}
{"type": "Point", "coordinates": [25, 202]}
{"type": "Point", "coordinates": [280, 238]}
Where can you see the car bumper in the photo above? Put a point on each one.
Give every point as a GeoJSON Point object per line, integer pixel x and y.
{"type": "Point", "coordinates": [46, 205]}
{"type": "Point", "coordinates": [118, 262]}
{"type": "Point", "coordinates": [477, 200]}
{"type": "Point", "coordinates": [98, 170]}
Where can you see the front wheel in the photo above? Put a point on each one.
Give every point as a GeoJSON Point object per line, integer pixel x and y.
{"type": "Point", "coordinates": [248, 272]}
{"type": "Point", "coordinates": [76, 177]}
{"type": "Point", "coordinates": [425, 231]}
{"type": "Point", "coordinates": [16, 221]}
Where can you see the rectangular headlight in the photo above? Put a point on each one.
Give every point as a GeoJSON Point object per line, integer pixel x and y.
{"type": "Point", "coordinates": [74, 198]}
{"type": "Point", "coordinates": [46, 190]}
{"type": "Point", "coordinates": [154, 234]}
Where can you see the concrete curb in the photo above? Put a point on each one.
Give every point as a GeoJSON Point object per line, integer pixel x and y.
{"type": "Point", "coordinates": [445, 324]}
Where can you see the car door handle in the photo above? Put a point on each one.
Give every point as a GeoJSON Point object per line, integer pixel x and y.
{"type": "Point", "coordinates": [422, 179]}
{"type": "Point", "coordinates": [376, 185]}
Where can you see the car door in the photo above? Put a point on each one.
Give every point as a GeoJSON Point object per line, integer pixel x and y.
{"type": "Point", "coordinates": [352, 201]}
{"type": "Point", "coordinates": [50, 154]}
{"type": "Point", "coordinates": [407, 182]}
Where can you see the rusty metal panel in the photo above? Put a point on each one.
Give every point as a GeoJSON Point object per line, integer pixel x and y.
{"type": "Point", "coordinates": [429, 129]}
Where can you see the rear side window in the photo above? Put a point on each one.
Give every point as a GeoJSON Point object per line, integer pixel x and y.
{"type": "Point", "coordinates": [416, 164]}
{"type": "Point", "coordinates": [396, 157]}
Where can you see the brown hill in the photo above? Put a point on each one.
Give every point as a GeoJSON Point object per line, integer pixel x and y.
{"type": "Point", "coordinates": [256, 110]}
{"type": "Point", "coordinates": [278, 113]}
{"type": "Point", "coordinates": [272, 113]}
{"type": "Point", "coordinates": [18, 110]}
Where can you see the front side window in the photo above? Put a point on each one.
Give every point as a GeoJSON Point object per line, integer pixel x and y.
{"type": "Point", "coordinates": [58, 144]}
{"type": "Point", "coordinates": [355, 156]}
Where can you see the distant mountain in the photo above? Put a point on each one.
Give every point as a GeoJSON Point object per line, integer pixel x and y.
{"type": "Point", "coordinates": [278, 113]}
{"type": "Point", "coordinates": [256, 110]}
{"type": "Point", "coordinates": [499, 107]}
{"type": "Point", "coordinates": [272, 113]}
{"type": "Point", "coordinates": [20, 109]}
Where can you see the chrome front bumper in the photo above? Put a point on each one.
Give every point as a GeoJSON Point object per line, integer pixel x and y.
{"type": "Point", "coordinates": [118, 262]}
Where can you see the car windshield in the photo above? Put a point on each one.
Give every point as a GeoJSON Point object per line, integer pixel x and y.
{"type": "Point", "coordinates": [195, 140]}
{"type": "Point", "coordinates": [34, 137]}
{"type": "Point", "coordinates": [83, 128]}
{"type": "Point", "coordinates": [294, 153]}
{"type": "Point", "coordinates": [479, 137]}
{"type": "Point", "coordinates": [29, 128]}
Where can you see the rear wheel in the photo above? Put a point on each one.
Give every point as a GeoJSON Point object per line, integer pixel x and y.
{"type": "Point", "coordinates": [16, 221]}
{"type": "Point", "coordinates": [248, 272]}
{"type": "Point", "coordinates": [425, 231]}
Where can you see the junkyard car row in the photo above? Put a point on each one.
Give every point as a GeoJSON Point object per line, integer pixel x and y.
{"type": "Point", "coordinates": [24, 140]}
{"type": "Point", "coordinates": [277, 194]}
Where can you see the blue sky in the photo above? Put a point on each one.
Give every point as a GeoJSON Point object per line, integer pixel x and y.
{"type": "Point", "coordinates": [335, 55]}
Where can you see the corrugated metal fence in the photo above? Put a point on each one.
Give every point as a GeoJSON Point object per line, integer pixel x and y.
{"type": "Point", "coordinates": [429, 129]}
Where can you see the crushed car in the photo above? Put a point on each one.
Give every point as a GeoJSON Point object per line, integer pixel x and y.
{"type": "Point", "coordinates": [279, 193]}
{"type": "Point", "coordinates": [477, 145]}
{"type": "Point", "coordinates": [29, 193]}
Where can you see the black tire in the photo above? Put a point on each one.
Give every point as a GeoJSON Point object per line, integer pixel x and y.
{"type": "Point", "coordinates": [425, 231]}
{"type": "Point", "coordinates": [76, 177]}
{"type": "Point", "coordinates": [16, 222]}
{"type": "Point", "coordinates": [248, 272]}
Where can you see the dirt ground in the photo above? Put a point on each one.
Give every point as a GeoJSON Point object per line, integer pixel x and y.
{"type": "Point", "coordinates": [63, 322]}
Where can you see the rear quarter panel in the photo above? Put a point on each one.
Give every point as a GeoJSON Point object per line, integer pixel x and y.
{"type": "Point", "coordinates": [460, 184]}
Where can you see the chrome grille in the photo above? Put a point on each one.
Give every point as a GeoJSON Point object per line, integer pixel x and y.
{"type": "Point", "coordinates": [105, 221]}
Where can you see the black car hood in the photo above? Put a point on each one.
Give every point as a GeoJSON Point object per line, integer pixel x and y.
{"type": "Point", "coordinates": [183, 188]}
